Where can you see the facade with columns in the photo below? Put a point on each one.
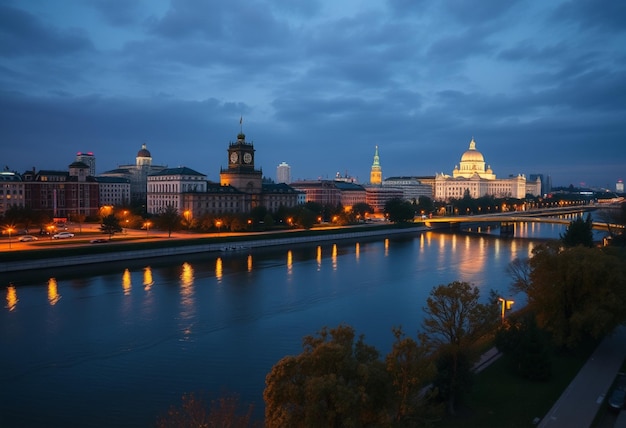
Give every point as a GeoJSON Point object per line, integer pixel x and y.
{"type": "Point", "coordinates": [475, 177]}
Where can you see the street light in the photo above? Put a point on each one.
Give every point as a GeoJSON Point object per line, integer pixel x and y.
{"type": "Point", "coordinates": [506, 305]}
{"type": "Point", "coordinates": [147, 224]}
{"type": "Point", "coordinates": [10, 230]}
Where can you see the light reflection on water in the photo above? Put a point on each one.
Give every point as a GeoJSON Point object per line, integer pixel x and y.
{"type": "Point", "coordinates": [209, 322]}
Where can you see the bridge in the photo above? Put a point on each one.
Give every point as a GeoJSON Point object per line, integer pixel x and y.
{"type": "Point", "coordinates": [507, 219]}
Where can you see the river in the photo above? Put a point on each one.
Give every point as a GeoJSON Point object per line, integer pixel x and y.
{"type": "Point", "coordinates": [117, 345]}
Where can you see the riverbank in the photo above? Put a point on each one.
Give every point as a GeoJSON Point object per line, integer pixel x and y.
{"type": "Point", "coordinates": [78, 255]}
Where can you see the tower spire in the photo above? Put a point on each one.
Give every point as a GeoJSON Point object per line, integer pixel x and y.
{"type": "Point", "coordinates": [376, 174]}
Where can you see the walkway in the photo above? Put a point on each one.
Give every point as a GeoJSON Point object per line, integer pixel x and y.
{"type": "Point", "coordinates": [581, 400]}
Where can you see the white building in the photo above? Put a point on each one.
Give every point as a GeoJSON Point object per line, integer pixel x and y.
{"type": "Point", "coordinates": [474, 176]}
{"type": "Point", "coordinates": [283, 173]}
{"type": "Point", "coordinates": [114, 191]}
{"type": "Point", "coordinates": [411, 187]}
{"type": "Point", "coordinates": [166, 188]}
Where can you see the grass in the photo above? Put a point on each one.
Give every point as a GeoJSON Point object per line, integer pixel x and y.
{"type": "Point", "coordinates": [501, 399]}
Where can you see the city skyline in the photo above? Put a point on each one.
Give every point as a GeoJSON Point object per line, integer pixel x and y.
{"type": "Point", "coordinates": [319, 85]}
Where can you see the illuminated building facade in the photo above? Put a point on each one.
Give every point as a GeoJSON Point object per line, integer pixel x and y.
{"type": "Point", "coordinates": [474, 177]}
{"type": "Point", "coordinates": [376, 173]}
{"type": "Point", "coordinates": [11, 191]}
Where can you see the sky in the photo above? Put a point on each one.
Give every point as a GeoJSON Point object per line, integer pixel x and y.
{"type": "Point", "coordinates": [540, 85]}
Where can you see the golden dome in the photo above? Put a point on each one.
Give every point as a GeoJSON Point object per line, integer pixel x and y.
{"type": "Point", "coordinates": [472, 155]}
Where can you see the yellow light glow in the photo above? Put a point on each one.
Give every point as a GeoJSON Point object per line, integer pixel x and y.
{"type": "Point", "coordinates": [53, 294]}
{"type": "Point", "coordinates": [126, 282]}
{"type": "Point", "coordinates": [249, 262]}
{"type": "Point", "coordinates": [318, 257]}
{"type": "Point", "coordinates": [334, 256]}
{"type": "Point", "coordinates": [11, 298]}
{"type": "Point", "coordinates": [357, 251]}
{"type": "Point", "coordinates": [186, 276]}
{"type": "Point", "coordinates": [289, 261]}
{"type": "Point", "coordinates": [218, 269]}
{"type": "Point", "coordinates": [147, 278]}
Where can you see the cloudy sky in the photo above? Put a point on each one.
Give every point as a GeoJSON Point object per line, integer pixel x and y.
{"type": "Point", "coordinates": [540, 85]}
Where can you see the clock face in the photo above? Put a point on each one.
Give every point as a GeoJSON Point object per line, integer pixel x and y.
{"type": "Point", "coordinates": [247, 158]}
{"type": "Point", "coordinates": [234, 157]}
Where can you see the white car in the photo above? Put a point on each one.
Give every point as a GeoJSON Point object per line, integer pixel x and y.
{"type": "Point", "coordinates": [63, 235]}
{"type": "Point", "coordinates": [27, 238]}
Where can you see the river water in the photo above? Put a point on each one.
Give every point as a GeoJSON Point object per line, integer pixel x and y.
{"type": "Point", "coordinates": [117, 345]}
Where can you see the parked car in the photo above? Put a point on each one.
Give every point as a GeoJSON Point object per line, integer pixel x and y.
{"type": "Point", "coordinates": [617, 399]}
{"type": "Point", "coordinates": [27, 238]}
{"type": "Point", "coordinates": [98, 241]}
{"type": "Point", "coordinates": [63, 235]}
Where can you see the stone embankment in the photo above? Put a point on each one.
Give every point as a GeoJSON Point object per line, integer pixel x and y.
{"type": "Point", "coordinates": [113, 256]}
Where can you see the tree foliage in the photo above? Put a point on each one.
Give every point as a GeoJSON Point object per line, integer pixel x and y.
{"type": "Point", "coordinates": [169, 219]}
{"type": "Point", "coordinates": [579, 232]}
{"type": "Point", "coordinates": [577, 292]}
{"type": "Point", "coordinates": [194, 412]}
{"type": "Point", "coordinates": [399, 210]}
{"type": "Point", "coordinates": [110, 225]}
{"type": "Point", "coordinates": [339, 381]}
{"type": "Point", "coordinates": [336, 381]}
{"type": "Point", "coordinates": [454, 321]}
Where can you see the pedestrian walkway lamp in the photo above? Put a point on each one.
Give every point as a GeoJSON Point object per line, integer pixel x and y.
{"type": "Point", "coordinates": [506, 306]}
{"type": "Point", "coordinates": [10, 231]}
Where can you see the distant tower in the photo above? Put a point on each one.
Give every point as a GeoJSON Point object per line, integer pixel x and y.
{"type": "Point", "coordinates": [376, 175]}
{"type": "Point", "coordinates": [88, 159]}
{"type": "Point", "coordinates": [619, 186]}
{"type": "Point", "coordinates": [283, 173]}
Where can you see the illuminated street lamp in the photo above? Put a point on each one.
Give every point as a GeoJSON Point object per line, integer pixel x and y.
{"type": "Point", "coordinates": [147, 225]}
{"type": "Point", "coordinates": [187, 215]}
{"type": "Point", "coordinates": [506, 306]}
{"type": "Point", "coordinates": [218, 223]}
{"type": "Point", "coordinates": [10, 231]}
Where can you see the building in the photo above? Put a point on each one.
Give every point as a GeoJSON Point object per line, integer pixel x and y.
{"type": "Point", "coordinates": [114, 191]}
{"type": "Point", "coordinates": [323, 192]}
{"type": "Point", "coordinates": [62, 193]}
{"type": "Point", "coordinates": [166, 187]}
{"type": "Point", "coordinates": [619, 186]}
{"type": "Point", "coordinates": [137, 174]}
{"type": "Point", "coordinates": [376, 173]}
{"type": "Point", "coordinates": [412, 188]}
{"type": "Point", "coordinates": [11, 191]}
{"type": "Point", "coordinates": [377, 196]}
{"type": "Point", "coordinates": [240, 190]}
{"type": "Point", "coordinates": [283, 173]}
{"type": "Point", "coordinates": [88, 159]}
{"type": "Point", "coordinates": [474, 177]}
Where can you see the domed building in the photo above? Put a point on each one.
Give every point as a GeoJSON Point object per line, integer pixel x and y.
{"type": "Point", "coordinates": [137, 174]}
{"type": "Point", "coordinates": [471, 176]}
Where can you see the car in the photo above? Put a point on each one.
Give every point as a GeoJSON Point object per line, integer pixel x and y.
{"type": "Point", "coordinates": [63, 235]}
{"type": "Point", "coordinates": [27, 238]}
{"type": "Point", "coordinates": [98, 241]}
{"type": "Point", "coordinates": [617, 399]}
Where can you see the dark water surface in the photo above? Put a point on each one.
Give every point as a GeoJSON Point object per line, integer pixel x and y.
{"type": "Point", "coordinates": [117, 345]}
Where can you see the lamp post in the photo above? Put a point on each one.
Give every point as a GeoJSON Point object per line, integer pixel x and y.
{"type": "Point", "coordinates": [219, 226]}
{"type": "Point", "coordinates": [506, 306]}
{"type": "Point", "coordinates": [10, 230]}
{"type": "Point", "coordinates": [147, 224]}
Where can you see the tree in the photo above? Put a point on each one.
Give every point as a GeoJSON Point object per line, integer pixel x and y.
{"type": "Point", "coordinates": [335, 382]}
{"type": "Point", "coordinates": [360, 209]}
{"type": "Point", "coordinates": [411, 369]}
{"type": "Point", "coordinates": [194, 412]}
{"type": "Point", "coordinates": [454, 321]}
{"type": "Point", "coordinates": [399, 210]}
{"type": "Point", "coordinates": [169, 219]}
{"type": "Point", "coordinates": [579, 232]}
{"type": "Point", "coordinates": [577, 292]}
{"type": "Point", "coordinates": [110, 225]}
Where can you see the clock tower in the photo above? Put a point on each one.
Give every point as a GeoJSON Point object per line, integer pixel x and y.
{"type": "Point", "coordinates": [240, 172]}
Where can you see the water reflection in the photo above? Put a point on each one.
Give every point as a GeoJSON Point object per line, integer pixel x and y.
{"type": "Point", "coordinates": [126, 282]}
{"type": "Point", "coordinates": [11, 298]}
{"type": "Point", "coordinates": [147, 278]}
{"type": "Point", "coordinates": [289, 262]}
{"type": "Point", "coordinates": [386, 247]}
{"type": "Point", "coordinates": [318, 257]}
{"type": "Point", "coordinates": [334, 256]}
{"type": "Point", "coordinates": [357, 251]}
{"type": "Point", "coordinates": [219, 269]}
{"type": "Point", "coordinates": [249, 262]}
{"type": "Point", "coordinates": [187, 300]}
{"type": "Point", "coordinates": [53, 294]}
